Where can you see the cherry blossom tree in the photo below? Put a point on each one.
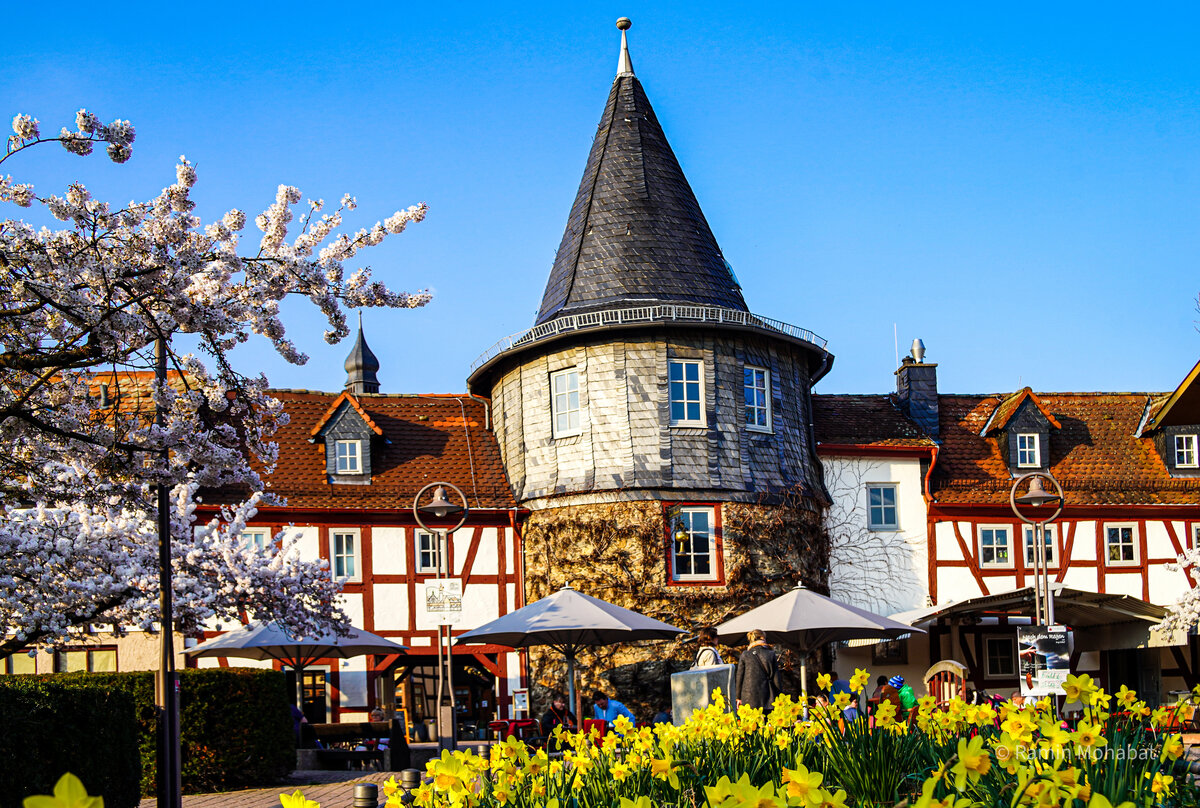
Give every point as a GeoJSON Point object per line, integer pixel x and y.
{"type": "Point", "coordinates": [86, 431]}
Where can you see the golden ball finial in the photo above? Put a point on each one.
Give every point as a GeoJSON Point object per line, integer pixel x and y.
{"type": "Point", "coordinates": [624, 23]}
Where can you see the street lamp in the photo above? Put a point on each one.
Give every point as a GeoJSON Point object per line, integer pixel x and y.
{"type": "Point", "coordinates": [440, 507]}
{"type": "Point", "coordinates": [1038, 497]}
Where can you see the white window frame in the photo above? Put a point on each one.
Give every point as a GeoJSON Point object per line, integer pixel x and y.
{"type": "Point", "coordinates": [895, 506]}
{"type": "Point", "coordinates": [1028, 545]}
{"type": "Point", "coordinates": [336, 553]}
{"type": "Point", "coordinates": [699, 382]}
{"type": "Point", "coordinates": [1134, 541]}
{"type": "Point", "coordinates": [753, 372]}
{"type": "Point", "coordinates": [428, 547]}
{"type": "Point", "coordinates": [1035, 451]}
{"type": "Point", "coordinates": [559, 399]}
{"type": "Point", "coordinates": [1008, 532]}
{"type": "Point", "coordinates": [1185, 447]}
{"type": "Point", "coordinates": [713, 566]}
{"type": "Point", "coordinates": [356, 456]}
{"type": "Point", "coordinates": [257, 537]}
{"type": "Point", "coordinates": [988, 670]}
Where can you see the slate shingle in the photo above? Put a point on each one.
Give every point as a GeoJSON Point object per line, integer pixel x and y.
{"type": "Point", "coordinates": [636, 234]}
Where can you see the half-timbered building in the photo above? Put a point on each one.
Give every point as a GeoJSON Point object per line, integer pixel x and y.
{"type": "Point", "coordinates": [350, 465]}
{"type": "Point", "coordinates": [922, 525]}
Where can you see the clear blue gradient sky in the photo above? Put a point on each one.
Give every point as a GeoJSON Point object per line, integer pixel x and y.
{"type": "Point", "coordinates": [1017, 185]}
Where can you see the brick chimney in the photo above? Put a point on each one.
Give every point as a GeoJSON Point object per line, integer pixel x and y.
{"type": "Point", "coordinates": [916, 389]}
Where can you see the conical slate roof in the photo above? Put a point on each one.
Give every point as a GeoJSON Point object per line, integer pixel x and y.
{"type": "Point", "coordinates": [636, 234]}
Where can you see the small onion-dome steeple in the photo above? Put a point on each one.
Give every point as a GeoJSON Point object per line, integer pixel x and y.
{"type": "Point", "coordinates": [361, 366]}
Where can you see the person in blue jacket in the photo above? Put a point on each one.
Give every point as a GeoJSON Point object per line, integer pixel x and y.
{"type": "Point", "coordinates": [607, 709]}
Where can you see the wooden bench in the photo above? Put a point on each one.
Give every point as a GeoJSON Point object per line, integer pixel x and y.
{"type": "Point", "coordinates": [325, 745]}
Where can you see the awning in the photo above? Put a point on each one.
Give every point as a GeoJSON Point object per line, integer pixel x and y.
{"type": "Point", "coordinates": [1072, 607]}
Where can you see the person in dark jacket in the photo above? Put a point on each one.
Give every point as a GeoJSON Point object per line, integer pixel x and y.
{"type": "Point", "coordinates": [757, 677]}
{"type": "Point", "coordinates": [558, 715]}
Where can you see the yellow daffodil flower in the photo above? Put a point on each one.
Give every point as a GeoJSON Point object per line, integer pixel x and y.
{"type": "Point", "coordinates": [973, 762]}
{"type": "Point", "coordinates": [294, 800]}
{"type": "Point", "coordinates": [1172, 748]}
{"type": "Point", "coordinates": [859, 680]}
{"type": "Point", "coordinates": [70, 793]}
{"type": "Point", "coordinates": [824, 681]}
{"type": "Point", "coordinates": [1078, 688]}
{"type": "Point", "coordinates": [803, 785]}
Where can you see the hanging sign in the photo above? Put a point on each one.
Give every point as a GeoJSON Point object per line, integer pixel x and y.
{"type": "Point", "coordinates": [1043, 659]}
{"type": "Point", "coordinates": [441, 602]}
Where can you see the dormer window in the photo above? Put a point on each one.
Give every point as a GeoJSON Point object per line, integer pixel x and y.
{"type": "Point", "coordinates": [1029, 453]}
{"type": "Point", "coordinates": [349, 457]}
{"type": "Point", "coordinates": [1185, 452]}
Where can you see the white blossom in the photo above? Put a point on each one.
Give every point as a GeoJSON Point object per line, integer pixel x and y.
{"type": "Point", "coordinates": [83, 306]}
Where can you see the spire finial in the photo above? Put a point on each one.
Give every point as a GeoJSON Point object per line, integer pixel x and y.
{"type": "Point", "coordinates": [624, 64]}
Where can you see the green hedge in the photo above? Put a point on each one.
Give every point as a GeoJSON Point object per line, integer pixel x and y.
{"type": "Point", "coordinates": [50, 726]}
{"type": "Point", "coordinates": [236, 725]}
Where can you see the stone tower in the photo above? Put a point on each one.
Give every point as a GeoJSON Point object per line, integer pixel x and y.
{"type": "Point", "coordinates": [659, 432]}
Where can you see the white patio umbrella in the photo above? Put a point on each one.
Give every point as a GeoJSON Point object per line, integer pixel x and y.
{"type": "Point", "coordinates": [567, 621]}
{"type": "Point", "coordinates": [805, 620]}
{"type": "Point", "coordinates": [258, 640]}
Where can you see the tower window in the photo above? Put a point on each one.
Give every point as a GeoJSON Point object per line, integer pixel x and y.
{"type": "Point", "coordinates": [758, 398]}
{"type": "Point", "coordinates": [686, 392]}
{"type": "Point", "coordinates": [564, 402]}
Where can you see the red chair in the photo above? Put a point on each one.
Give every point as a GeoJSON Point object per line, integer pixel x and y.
{"type": "Point", "coordinates": [520, 728]}
{"type": "Point", "coordinates": [599, 724]}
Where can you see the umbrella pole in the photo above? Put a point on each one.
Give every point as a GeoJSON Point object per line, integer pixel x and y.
{"type": "Point", "coordinates": [572, 693]}
{"type": "Point", "coordinates": [804, 682]}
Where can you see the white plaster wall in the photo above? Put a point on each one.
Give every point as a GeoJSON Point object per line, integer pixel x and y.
{"type": "Point", "coordinates": [391, 607]}
{"type": "Point", "coordinates": [308, 540]}
{"type": "Point", "coordinates": [352, 603]}
{"type": "Point", "coordinates": [481, 604]}
{"type": "Point", "coordinates": [352, 682]}
{"type": "Point", "coordinates": [1002, 583]}
{"type": "Point", "coordinates": [485, 558]}
{"type": "Point", "coordinates": [512, 597]}
{"type": "Point", "coordinates": [1083, 578]}
{"type": "Point", "coordinates": [1124, 583]}
{"type": "Point", "coordinates": [947, 544]}
{"type": "Point", "coordinates": [956, 583]}
{"type": "Point", "coordinates": [389, 551]}
{"type": "Point", "coordinates": [1158, 543]}
{"type": "Point", "coordinates": [1085, 542]}
{"type": "Point", "coordinates": [884, 571]}
{"type": "Point", "coordinates": [1166, 587]}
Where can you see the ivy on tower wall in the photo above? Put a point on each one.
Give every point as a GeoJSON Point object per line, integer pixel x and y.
{"type": "Point", "coordinates": [617, 551]}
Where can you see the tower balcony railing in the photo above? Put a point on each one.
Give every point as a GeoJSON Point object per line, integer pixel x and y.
{"type": "Point", "coordinates": [665, 313]}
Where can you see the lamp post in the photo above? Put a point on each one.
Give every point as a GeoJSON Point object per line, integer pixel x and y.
{"type": "Point", "coordinates": [1038, 497]}
{"type": "Point", "coordinates": [440, 507]}
{"type": "Point", "coordinates": [169, 760]}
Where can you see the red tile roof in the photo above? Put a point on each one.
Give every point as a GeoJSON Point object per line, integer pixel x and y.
{"type": "Point", "coordinates": [333, 408]}
{"type": "Point", "coordinates": [1009, 406]}
{"type": "Point", "coordinates": [864, 421]}
{"type": "Point", "coordinates": [1095, 455]}
{"type": "Point", "coordinates": [429, 438]}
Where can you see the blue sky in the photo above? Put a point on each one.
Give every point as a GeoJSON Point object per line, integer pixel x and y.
{"type": "Point", "coordinates": [1017, 185]}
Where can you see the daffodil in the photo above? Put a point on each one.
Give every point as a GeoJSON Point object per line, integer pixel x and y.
{"type": "Point", "coordinates": [885, 714]}
{"type": "Point", "coordinates": [294, 800]}
{"type": "Point", "coordinates": [664, 769]}
{"type": "Point", "coordinates": [1161, 784]}
{"type": "Point", "coordinates": [1126, 697]}
{"type": "Point", "coordinates": [641, 802]}
{"type": "Point", "coordinates": [803, 785]}
{"type": "Point", "coordinates": [1172, 748]}
{"type": "Point", "coordinates": [70, 793]}
{"type": "Point", "coordinates": [1098, 800]}
{"type": "Point", "coordinates": [1007, 751]}
{"type": "Point", "coordinates": [859, 680]}
{"type": "Point", "coordinates": [833, 800]}
{"type": "Point", "coordinates": [973, 762]}
{"type": "Point", "coordinates": [824, 681]}
{"type": "Point", "coordinates": [1078, 688]}
{"type": "Point", "coordinates": [1088, 736]}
